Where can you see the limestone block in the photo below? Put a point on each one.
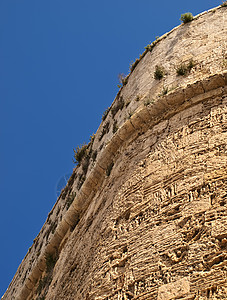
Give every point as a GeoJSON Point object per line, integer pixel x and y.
{"type": "Point", "coordinates": [78, 202]}
{"type": "Point", "coordinates": [33, 279]}
{"type": "Point", "coordinates": [153, 111]}
{"type": "Point", "coordinates": [218, 139]}
{"type": "Point", "coordinates": [62, 228]}
{"type": "Point", "coordinates": [225, 77]}
{"type": "Point", "coordinates": [196, 207]}
{"type": "Point", "coordinates": [219, 228]}
{"type": "Point", "coordinates": [174, 290]}
{"type": "Point", "coordinates": [126, 130]}
{"type": "Point", "coordinates": [36, 273]}
{"type": "Point", "coordinates": [104, 158]}
{"type": "Point", "coordinates": [114, 144]}
{"type": "Point", "coordinates": [51, 248]}
{"type": "Point", "coordinates": [71, 217]}
{"type": "Point", "coordinates": [55, 240]}
{"type": "Point", "coordinates": [191, 111]}
{"type": "Point", "coordinates": [144, 114]}
{"type": "Point", "coordinates": [204, 96]}
{"type": "Point", "coordinates": [86, 189]}
{"type": "Point", "coordinates": [177, 97]}
{"type": "Point", "coordinates": [89, 185]}
{"type": "Point", "coordinates": [96, 174]}
{"type": "Point", "coordinates": [213, 82]}
{"type": "Point", "coordinates": [42, 263]}
{"type": "Point", "coordinates": [193, 90]}
{"type": "Point", "coordinates": [24, 293]}
{"type": "Point", "coordinates": [216, 174]}
{"type": "Point", "coordinates": [164, 235]}
{"type": "Point", "coordinates": [137, 122]}
{"type": "Point", "coordinates": [162, 105]}
{"type": "Point", "coordinates": [160, 127]}
{"type": "Point", "coordinates": [29, 284]}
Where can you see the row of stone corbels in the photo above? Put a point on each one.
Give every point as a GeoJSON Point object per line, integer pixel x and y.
{"type": "Point", "coordinates": [145, 117]}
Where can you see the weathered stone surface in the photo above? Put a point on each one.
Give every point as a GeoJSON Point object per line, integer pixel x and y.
{"type": "Point", "coordinates": [148, 214]}
{"type": "Point", "coordinates": [174, 290]}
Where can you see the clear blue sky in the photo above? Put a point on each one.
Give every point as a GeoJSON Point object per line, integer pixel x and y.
{"type": "Point", "coordinates": [59, 66]}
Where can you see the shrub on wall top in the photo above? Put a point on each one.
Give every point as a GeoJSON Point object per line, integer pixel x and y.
{"type": "Point", "coordinates": [79, 153]}
{"type": "Point", "coordinates": [187, 17]}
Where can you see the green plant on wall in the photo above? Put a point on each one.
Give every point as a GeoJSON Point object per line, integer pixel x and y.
{"type": "Point", "coordinates": [105, 130]}
{"type": "Point", "coordinates": [190, 65]}
{"type": "Point", "coordinates": [164, 91]}
{"type": "Point", "coordinates": [79, 153]}
{"type": "Point", "coordinates": [121, 77]}
{"type": "Point", "coordinates": [50, 262]}
{"type": "Point", "coordinates": [45, 281]}
{"type": "Point", "coordinates": [183, 69]}
{"type": "Point", "coordinates": [115, 126]}
{"type": "Point", "coordinates": [149, 47]}
{"type": "Point", "coordinates": [159, 72]}
{"type": "Point", "coordinates": [147, 102]}
{"type": "Point", "coordinates": [187, 17]}
{"type": "Point", "coordinates": [104, 115]}
{"type": "Point", "coordinates": [134, 64]}
{"type": "Point", "coordinates": [81, 179]}
{"type": "Point", "coordinates": [118, 106]}
{"type": "Point", "coordinates": [94, 155]}
{"type": "Point", "coordinates": [70, 199]}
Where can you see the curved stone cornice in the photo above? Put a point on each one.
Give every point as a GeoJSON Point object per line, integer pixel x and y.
{"type": "Point", "coordinates": [145, 117]}
{"type": "Point", "coordinates": [203, 39]}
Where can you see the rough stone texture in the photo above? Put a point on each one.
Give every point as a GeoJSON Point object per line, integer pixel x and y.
{"type": "Point", "coordinates": [156, 227]}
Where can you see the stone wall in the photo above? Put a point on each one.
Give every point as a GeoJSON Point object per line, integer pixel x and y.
{"type": "Point", "coordinates": [147, 218]}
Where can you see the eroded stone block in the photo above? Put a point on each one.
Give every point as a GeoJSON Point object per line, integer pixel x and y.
{"type": "Point", "coordinates": [174, 289]}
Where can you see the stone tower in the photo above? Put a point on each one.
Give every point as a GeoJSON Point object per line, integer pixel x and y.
{"type": "Point", "coordinates": [144, 214]}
